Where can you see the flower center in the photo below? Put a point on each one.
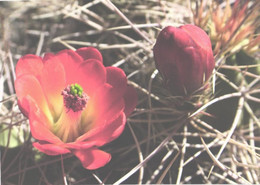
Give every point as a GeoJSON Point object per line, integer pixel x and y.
{"type": "Point", "coordinates": [68, 127]}
{"type": "Point", "coordinates": [74, 98]}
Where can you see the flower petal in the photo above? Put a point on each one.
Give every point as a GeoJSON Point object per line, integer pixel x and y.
{"type": "Point", "coordinates": [53, 81]}
{"type": "Point", "coordinates": [198, 35]}
{"type": "Point", "coordinates": [28, 85]}
{"type": "Point", "coordinates": [24, 107]}
{"type": "Point", "coordinates": [70, 61]}
{"type": "Point", "coordinates": [51, 149]}
{"type": "Point", "coordinates": [117, 79]}
{"type": "Point", "coordinates": [29, 64]}
{"type": "Point", "coordinates": [107, 104]}
{"type": "Point", "coordinates": [110, 101]}
{"type": "Point", "coordinates": [79, 145]}
{"type": "Point", "coordinates": [130, 98]}
{"type": "Point", "coordinates": [92, 158]}
{"type": "Point", "coordinates": [48, 56]}
{"type": "Point", "coordinates": [40, 126]}
{"type": "Point", "coordinates": [102, 108]}
{"type": "Point", "coordinates": [90, 53]}
{"type": "Point", "coordinates": [181, 38]}
{"type": "Point", "coordinates": [105, 133]}
{"type": "Point", "coordinates": [91, 74]}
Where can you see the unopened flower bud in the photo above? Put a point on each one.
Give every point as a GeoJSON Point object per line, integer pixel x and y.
{"type": "Point", "coordinates": [184, 58]}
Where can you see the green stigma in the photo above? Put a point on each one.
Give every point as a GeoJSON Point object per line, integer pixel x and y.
{"type": "Point", "coordinates": [76, 90]}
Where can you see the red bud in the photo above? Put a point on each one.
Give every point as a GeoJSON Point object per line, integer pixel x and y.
{"type": "Point", "coordinates": [184, 58]}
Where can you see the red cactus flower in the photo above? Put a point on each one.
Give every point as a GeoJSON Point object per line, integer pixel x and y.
{"type": "Point", "coordinates": [74, 103]}
{"type": "Point", "coordinates": [184, 58]}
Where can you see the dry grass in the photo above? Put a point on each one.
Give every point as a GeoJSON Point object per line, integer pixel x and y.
{"type": "Point", "coordinates": [216, 143]}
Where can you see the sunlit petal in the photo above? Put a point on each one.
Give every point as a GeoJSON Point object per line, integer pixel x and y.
{"type": "Point", "coordinates": [90, 74]}
{"type": "Point", "coordinates": [53, 81]}
{"type": "Point", "coordinates": [29, 64]}
{"type": "Point", "coordinates": [28, 85]}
